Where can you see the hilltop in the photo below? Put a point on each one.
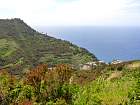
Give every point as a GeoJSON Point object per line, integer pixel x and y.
{"type": "Point", "coordinates": [22, 47]}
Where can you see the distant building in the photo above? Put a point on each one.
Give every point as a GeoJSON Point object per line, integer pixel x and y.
{"type": "Point", "coordinates": [88, 66]}
{"type": "Point", "coordinates": [116, 61]}
{"type": "Point", "coordinates": [92, 65]}
{"type": "Point", "coordinates": [85, 67]}
{"type": "Point", "coordinates": [101, 61]}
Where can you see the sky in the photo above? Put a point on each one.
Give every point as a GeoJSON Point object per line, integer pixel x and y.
{"type": "Point", "coordinates": [73, 12]}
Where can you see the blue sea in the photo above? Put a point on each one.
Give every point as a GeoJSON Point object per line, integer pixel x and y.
{"type": "Point", "coordinates": [107, 43]}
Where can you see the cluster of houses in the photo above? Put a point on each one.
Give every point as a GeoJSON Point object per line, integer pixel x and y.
{"type": "Point", "coordinates": [116, 62]}
{"type": "Point", "coordinates": [92, 65]}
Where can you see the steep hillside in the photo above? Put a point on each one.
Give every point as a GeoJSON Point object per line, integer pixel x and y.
{"type": "Point", "coordinates": [22, 47]}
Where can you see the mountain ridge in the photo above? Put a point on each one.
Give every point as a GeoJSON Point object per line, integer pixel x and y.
{"type": "Point", "coordinates": [23, 47]}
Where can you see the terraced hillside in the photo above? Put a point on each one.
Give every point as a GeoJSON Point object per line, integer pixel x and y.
{"type": "Point", "coordinates": [22, 47]}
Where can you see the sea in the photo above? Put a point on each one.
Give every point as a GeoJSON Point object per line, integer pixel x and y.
{"type": "Point", "coordinates": [106, 43]}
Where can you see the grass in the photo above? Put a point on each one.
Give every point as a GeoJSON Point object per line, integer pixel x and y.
{"type": "Point", "coordinates": [7, 47]}
{"type": "Point", "coordinates": [115, 93]}
{"type": "Point", "coordinates": [108, 92]}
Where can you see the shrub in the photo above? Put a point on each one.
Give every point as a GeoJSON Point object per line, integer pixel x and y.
{"type": "Point", "coordinates": [55, 80]}
{"type": "Point", "coordinates": [35, 76]}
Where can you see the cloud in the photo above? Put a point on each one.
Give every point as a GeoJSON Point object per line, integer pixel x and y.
{"type": "Point", "coordinates": [72, 12]}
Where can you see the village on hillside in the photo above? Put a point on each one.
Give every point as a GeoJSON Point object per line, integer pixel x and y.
{"type": "Point", "coordinates": [92, 65]}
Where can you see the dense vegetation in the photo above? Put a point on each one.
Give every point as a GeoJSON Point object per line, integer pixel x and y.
{"type": "Point", "coordinates": [21, 48]}
{"type": "Point", "coordinates": [62, 85]}
{"type": "Point", "coordinates": [26, 52]}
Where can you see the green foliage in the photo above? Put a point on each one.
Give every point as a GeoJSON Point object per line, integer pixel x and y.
{"type": "Point", "coordinates": [134, 93]}
{"type": "Point", "coordinates": [20, 93]}
{"type": "Point", "coordinates": [111, 92]}
{"type": "Point", "coordinates": [43, 86]}
{"type": "Point", "coordinates": [88, 95]}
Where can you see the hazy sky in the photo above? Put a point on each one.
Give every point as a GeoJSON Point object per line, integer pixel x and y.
{"type": "Point", "coordinates": [72, 12]}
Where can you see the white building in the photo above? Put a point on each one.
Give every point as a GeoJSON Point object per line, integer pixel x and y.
{"type": "Point", "coordinates": [116, 61]}
{"type": "Point", "coordinates": [88, 66]}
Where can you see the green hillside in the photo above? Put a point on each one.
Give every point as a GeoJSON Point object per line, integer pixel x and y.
{"type": "Point", "coordinates": [22, 47]}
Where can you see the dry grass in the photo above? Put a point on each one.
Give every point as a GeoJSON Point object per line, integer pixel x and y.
{"type": "Point", "coordinates": [115, 75]}
{"type": "Point", "coordinates": [134, 65]}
